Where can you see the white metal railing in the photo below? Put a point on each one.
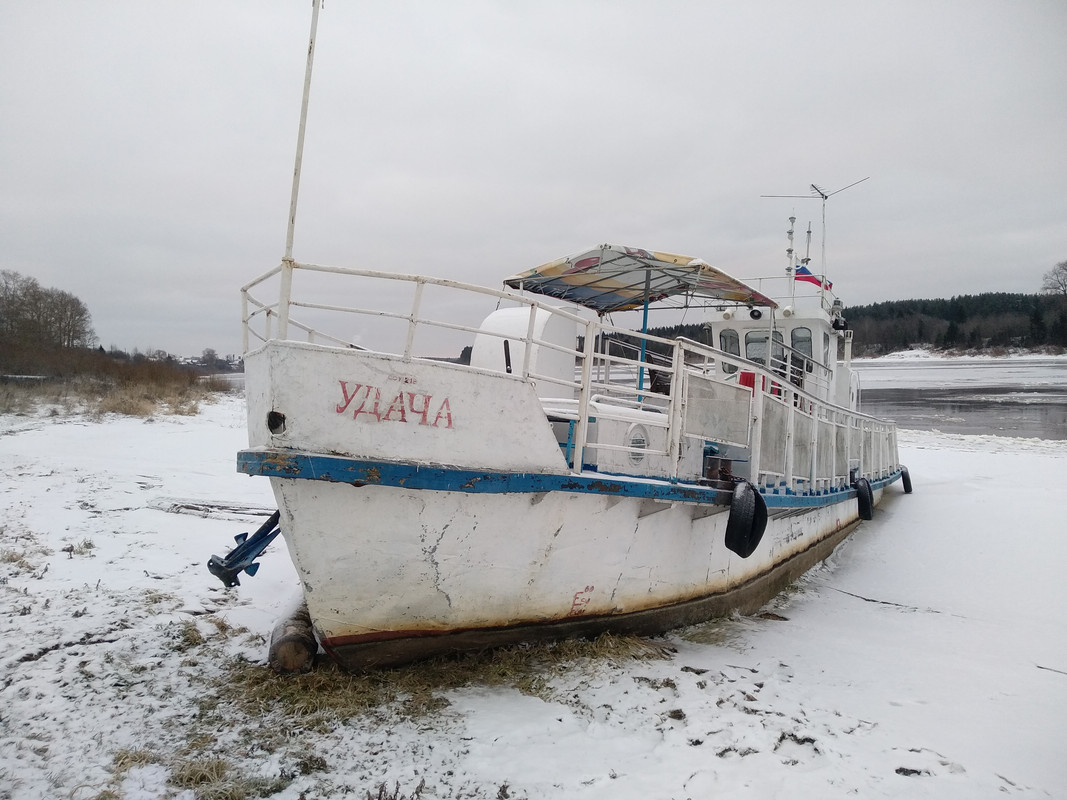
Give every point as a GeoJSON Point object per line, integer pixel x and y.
{"type": "Point", "coordinates": [786, 291]}
{"type": "Point", "coordinates": [786, 438]}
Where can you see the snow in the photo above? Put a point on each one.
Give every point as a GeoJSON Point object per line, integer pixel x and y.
{"type": "Point", "coordinates": [924, 369]}
{"type": "Point", "coordinates": [927, 658]}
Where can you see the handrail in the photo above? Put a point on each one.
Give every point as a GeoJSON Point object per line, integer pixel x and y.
{"type": "Point", "coordinates": [799, 441]}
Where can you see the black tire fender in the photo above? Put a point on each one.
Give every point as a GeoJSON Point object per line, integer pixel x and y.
{"type": "Point", "coordinates": [865, 495]}
{"type": "Point", "coordinates": [747, 521]}
{"type": "Point", "coordinates": [905, 479]}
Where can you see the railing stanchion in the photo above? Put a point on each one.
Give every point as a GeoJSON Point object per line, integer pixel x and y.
{"type": "Point", "coordinates": [675, 398]}
{"type": "Point", "coordinates": [244, 321]}
{"type": "Point", "coordinates": [527, 352]}
{"type": "Point", "coordinates": [285, 292]}
{"type": "Point", "coordinates": [416, 307]}
{"type": "Point", "coordinates": [756, 438]}
{"type": "Point", "coordinates": [790, 435]}
{"type": "Point", "coordinates": [584, 390]}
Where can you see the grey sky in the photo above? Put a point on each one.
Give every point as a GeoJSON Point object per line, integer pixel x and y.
{"type": "Point", "coordinates": [146, 147]}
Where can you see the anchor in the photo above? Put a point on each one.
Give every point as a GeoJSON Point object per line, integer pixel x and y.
{"type": "Point", "coordinates": [243, 557]}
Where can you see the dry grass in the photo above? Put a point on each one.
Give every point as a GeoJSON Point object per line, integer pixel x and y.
{"type": "Point", "coordinates": [153, 598]}
{"type": "Point", "coordinates": [385, 794]}
{"type": "Point", "coordinates": [212, 778]}
{"type": "Point", "coordinates": [20, 560]}
{"type": "Point", "coordinates": [138, 390]}
{"type": "Point", "coordinates": [126, 759]}
{"type": "Point", "coordinates": [11, 557]}
{"type": "Point", "coordinates": [145, 400]}
{"type": "Point", "coordinates": [84, 547]}
{"type": "Point", "coordinates": [186, 636]}
{"type": "Point", "coordinates": [254, 709]}
{"type": "Point", "coordinates": [26, 398]}
{"type": "Point", "coordinates": [196, 772]}
{"type": "Point", "coordinates": [319, 698]}
{"type": "Point", "coordinates": [207, 776]}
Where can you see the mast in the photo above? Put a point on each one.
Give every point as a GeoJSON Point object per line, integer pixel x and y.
{"type": "Point", "coordinates": [807, 248]}
{"type": "Point", "coordinates": [287, 259]}
{"type": "Point", "coordinates": [300, 131]}
{"type": "Point", "coordinates": [790, 255]}
{"type": "Point", "coordinates": [818, 193]}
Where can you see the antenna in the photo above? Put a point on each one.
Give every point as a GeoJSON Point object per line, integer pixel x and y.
{"type": "Point", "coordinates": [819, 194]}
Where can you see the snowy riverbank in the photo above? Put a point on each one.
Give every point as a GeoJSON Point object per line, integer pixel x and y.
{"type": "Point", "coordinates": [927, 658]}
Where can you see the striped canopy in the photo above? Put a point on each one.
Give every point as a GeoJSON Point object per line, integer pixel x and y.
{"type": "Point", "coordinates": [613, 278]}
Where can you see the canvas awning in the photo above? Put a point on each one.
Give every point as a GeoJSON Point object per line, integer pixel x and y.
{"type": "Point", "coordinates": [614, 278]}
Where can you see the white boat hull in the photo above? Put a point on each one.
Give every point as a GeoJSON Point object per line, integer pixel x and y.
{"type": "Point", "coordinates": [392, 574]}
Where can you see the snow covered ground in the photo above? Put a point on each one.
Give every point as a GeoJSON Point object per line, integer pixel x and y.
{"type": "Point", "coordinates": [926, 659]}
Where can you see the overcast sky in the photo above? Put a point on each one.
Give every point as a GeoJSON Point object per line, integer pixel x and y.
{"type": "Point", "coordinates": [146, 148]}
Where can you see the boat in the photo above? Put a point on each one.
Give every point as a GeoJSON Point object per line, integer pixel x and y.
{"type": "Point", "coordinates": [571, 476]}
{"type": "Point", "coordinates": [459, 467]}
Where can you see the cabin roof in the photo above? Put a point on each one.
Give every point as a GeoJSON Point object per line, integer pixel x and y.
{"type": "Point", "coordinates": [616, 278]}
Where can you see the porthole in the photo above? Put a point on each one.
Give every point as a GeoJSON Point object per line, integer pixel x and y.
{"type": "Point", "coordinates": [637, 441]}
{"type": "Point", "coordinates": [276, 422]}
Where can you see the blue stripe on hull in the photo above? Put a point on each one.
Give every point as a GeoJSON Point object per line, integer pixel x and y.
{"type": "Point", "coordinates": [339, 469]}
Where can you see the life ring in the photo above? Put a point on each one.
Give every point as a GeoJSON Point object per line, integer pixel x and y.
{"type": "Point", "coordinates": [905, 479]}
{"type": "Point", "coordinates": [747, 521]}
{"type": "Point", "coordinates": [865, 495]}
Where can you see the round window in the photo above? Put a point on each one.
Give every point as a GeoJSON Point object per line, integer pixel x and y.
{"type": "Point", "coordinates": [637, 441]}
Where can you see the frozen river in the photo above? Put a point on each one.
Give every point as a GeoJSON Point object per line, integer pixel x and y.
{"type": "Point", "coordinates": [1021, 396]}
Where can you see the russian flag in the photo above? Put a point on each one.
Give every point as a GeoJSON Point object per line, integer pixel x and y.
{"type": "Point", "coordinates": [804, 274]}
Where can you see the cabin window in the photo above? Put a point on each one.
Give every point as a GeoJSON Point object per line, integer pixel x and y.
{"type": "Point", "coordinates": [756, 348]}
{"type": "Point", "coordinates": [729, 342]}
{"type": "Point", "coordinates": [800, 339]}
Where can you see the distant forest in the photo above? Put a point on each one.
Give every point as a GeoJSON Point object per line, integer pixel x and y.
{"type": "Point", "coordinates": [992, 321]}
{"type": "Point", "coordinates": [968, 322]}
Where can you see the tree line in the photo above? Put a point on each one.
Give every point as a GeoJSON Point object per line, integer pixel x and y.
{"type": "Point", "coordinates": [973, 322]}
{"type": "Point", "coordinates": [32, 315]}
{"type": "Point", "coordinates": [993, 320]}
{"type": "Point", "coordinates": [48, 332]}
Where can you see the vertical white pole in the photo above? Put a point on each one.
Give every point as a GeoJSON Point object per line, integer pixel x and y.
{"type": "Point", "coordinates": [581, 434]}
{"type": "Point", "coordinates": [300, 131]}
{"type": "Point", "coordinates": [285, 291]}
{"type": "Point", "coordinates": [527, 355]}
{"type": "Point", "coordinates": [675, 399]}
{"type": "Point", "coordinates": [790, 436]}
{"type": "Point", "coordinates": [756, 431]}
{"type": "Point", "coordinates": [244, 321]}
{"type": "Point", "coordinates": [287, 260]}
{"type": "Point", "coordinates": [416, 306]}
{"type": "Point", "coordinates": [791, 256]}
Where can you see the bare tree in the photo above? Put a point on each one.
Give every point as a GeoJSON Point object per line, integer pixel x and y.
{"type": "Point", "coordinates": [1055, 280]}
{"type": "Point", "coordinates": [31, 315]}
{"type": "Point", "coordinates": [71, 324]}
{"type": "Point", "coordinates": [14, 288]}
